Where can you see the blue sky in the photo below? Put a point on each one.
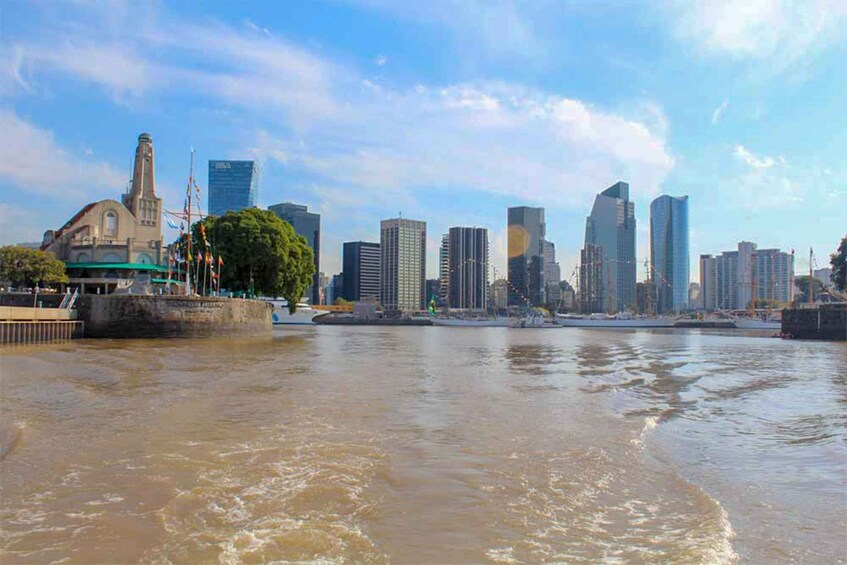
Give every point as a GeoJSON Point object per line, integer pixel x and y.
{"type": "Point", "coordinates": [447, 111]}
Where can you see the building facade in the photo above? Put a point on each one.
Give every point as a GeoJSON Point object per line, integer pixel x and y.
{"type": "Point", "coordinates": [526, 233]}
{"type": "Point", "coordinates": [708, 283]}
{"type": "Point", "coordinates": [402, 264]}
{"type": "Point", "coordinates": [670, 264]}
{"type": "Point", "coordinates": [552, 274]}
{"type": "Point", "coordinates": [107, 243]}
{"type": "Point", "coordinates": [361, 260]}
{"type": "Point", "coordinates": [307, 224]}
{"type": "Point", "coordinates": [611, 229]}
{"type": "Point", "coordinates": [500, 294]}
{"type": "Point", "coordinates": [443, 270]}
{"type": "Point", "coordinates": [591, 289]}
{"type": "Point", "coordinates": [468, 266]}
{"type": "Point", "coordinates": [731, 280]}
{"type": "Point", "coordinates": [233, 186]}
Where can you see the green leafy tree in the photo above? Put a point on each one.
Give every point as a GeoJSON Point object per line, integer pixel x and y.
{"type": "Point", "coordinates": [341, 302]}
{"type": "Point", "coordinates": [838, 260]}
{"type": "Point", "coordinates": [261, 254]}
{"type": "Point", "coordinates": [23, 266]}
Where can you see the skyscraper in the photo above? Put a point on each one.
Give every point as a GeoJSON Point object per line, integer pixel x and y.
{"type": "Point", "coordinates": [552, 274]}
{"type": "Point", "coordinates": [526, 262]}
{"type": "Point", "coordinates": [611, 229]}
{"type": "Point", "coordinates": [669, 252]}
{"type": "Point", "coordinates": [444, 270]}
{"type": "Point", "coordinates": [361, 271]}
{"type": "Point", "coordinates": [708, 283]}
{"type": "Point", "coordinates": [308, 225]}
{"type": "Point", "coordinates": [590, 275]}
{"type": "Point", "coordinates": [233, 186]}
{"type": "Point", "coordinates": [402, 264]}
{"type": "Point", "coordinates": [468, 252]}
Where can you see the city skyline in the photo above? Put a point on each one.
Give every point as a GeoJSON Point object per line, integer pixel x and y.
{"type": "Point", "coordinates": [317, 115]}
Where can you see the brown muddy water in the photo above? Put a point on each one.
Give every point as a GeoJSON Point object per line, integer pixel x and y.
{"type": "Point", "coordinates": [426, 445]}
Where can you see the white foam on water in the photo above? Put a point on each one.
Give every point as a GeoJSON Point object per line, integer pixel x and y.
{"type": "Point", "coordinates": [650, 423]}
{"type": "Point", "coordinates": [502, 555]}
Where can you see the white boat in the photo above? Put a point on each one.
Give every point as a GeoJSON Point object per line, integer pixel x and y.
{"type": "Point", "coordinates": [534, 320]}
{"type": "Point", "coordinates": [758, 324]}
{"type": "Point", "coordinates": [305, 314]}
{"type": "Point", "coordinates": [620, 320]}
{"type": "Point", "coordinates": [473, 322]}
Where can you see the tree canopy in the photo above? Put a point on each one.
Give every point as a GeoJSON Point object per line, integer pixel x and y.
{"type": "Point", "coordinates": [838, 260]}
{"type": "Point", "coordinates": [261, 254]}
{"type": "Point", "coordinates": [23, 266]}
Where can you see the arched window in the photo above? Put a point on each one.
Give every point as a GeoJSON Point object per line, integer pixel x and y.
{"type": "Point", "coordinates": [110, 224]}
{"type": "Point", "coordinates": [82, 258]}
{"type": "Point", "coordinates": [144, 259]}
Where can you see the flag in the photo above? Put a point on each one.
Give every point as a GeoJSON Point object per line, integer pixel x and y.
{"type": "Point", "coordinates": [199, 257]}
{"type": "Point", "coordinates": [220, 260]}
{"type": "Point", "coordinates": [208, 257]}
{"type": "Point", "coordinates": [171, 223]}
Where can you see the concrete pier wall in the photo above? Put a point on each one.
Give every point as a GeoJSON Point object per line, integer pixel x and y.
{"type": "Point", "coordinates": [42, 331]}
{"type": "Point", "coordinates": [134, 316]}
{"type": "Point", "coordinates": [826, 322]}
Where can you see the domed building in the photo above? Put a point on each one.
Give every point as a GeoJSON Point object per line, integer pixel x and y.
{"type": "Point", "coordinates": [108, 244]}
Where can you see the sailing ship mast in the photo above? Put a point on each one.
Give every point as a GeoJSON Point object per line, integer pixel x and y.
{"type": "Point", "coordinates": [188, 221]}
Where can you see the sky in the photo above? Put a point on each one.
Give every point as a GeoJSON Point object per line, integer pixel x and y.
{"type": "Point", "coordinates": [447, 111]}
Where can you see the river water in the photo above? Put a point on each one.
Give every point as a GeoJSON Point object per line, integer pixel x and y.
{"type": "Point", "coordinates": [421, 445]}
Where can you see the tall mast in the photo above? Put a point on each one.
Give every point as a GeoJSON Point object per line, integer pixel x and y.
{"type": "Point", "coordinates": [811, 280]}
{"type": "Point", "coordinates": [188, 220]}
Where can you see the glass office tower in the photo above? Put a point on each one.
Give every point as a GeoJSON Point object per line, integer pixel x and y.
{"type": "Point", "coordinates": [308, 225]}
{"type": "Point", "coordinates": [233, 186]}
{"type": "Point", "coordinates": [526, 259]}
{"type": "Point", "coordinates": [669, 252]}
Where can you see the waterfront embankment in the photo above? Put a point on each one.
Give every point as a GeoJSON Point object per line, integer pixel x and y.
{"type": "Point", "coordinates": [825, 322]}
{"type": "Point", "coordinates": [139, 316]}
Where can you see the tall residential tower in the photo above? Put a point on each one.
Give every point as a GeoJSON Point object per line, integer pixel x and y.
{"type": "Point", "coordinates": [402, 264]}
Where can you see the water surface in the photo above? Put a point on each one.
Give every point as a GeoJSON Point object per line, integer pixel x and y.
{"type": "Point", "coordinates": [413, 445]}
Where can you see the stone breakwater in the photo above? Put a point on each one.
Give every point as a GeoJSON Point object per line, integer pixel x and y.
{"type": "Point", "coordinates": [128, 316]}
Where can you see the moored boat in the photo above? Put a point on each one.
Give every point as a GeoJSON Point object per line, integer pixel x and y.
{"type": "Point", "coordinates": [304, 315]}
{"type": "Point", "coordinates": [621, 320]}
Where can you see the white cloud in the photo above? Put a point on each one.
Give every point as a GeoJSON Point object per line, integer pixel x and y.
{"type": "Point", "coordinates": [381, 60]}
{"type": "Point", "coordinates": [32, 160]}
{"type": "Point", "coordinates": [781, 30]}
{"type": "Point", "coordinates": [718, 112]}
{"type": "Point", "coordinates": [756, 162]}
{"type": "Point", "coordinates": [327, 121]}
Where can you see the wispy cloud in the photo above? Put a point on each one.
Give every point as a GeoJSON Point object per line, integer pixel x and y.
{"type": "Point", "coordinates": [718, 112]}
{"type": "Point", "coordinates": [782, 31]}
{"type": "Point", "coordinates": [327, 120]}
{"type": "Point", "coordinates": [32, 160]}
{"type": "Point", "coordinates": [745, 155]}
{"type": "Point", "coordinates": [381, 60]}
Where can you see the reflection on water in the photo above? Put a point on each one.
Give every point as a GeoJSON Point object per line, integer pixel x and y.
{"type": "Point", "coordinates": [426, 445]}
